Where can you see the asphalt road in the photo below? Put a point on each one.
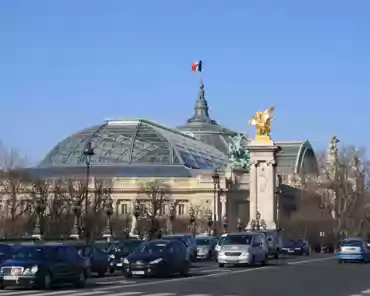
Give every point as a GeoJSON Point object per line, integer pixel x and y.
{"type": "Point", "coordinates": [299, 276]}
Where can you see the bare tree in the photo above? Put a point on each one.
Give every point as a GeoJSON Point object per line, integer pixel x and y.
{"type": "Point", "coordinates": [157, 195]}
{"type": "Point", "coordinates": [342, 187]}
{"type": "Point", "coordinates": [13, 183]}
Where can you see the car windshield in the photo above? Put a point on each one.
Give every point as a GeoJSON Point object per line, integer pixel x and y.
{"type": "Point", "coordinates": [29, 253]}
{"type": "Point", "coordinates": [152, 248]}
{"type": "Point", "coordinates": [221, 240]}
{"type": "Point", "coordinates": [105, 247]}
{"type": "Point", "coordinates": [238, 240]}
{"type": "Point", "coordinates": [203, 241]}
{"type": "Point", "coordinates": [127, 245]}
{"type": "Point", "coordinates": [352, 243]}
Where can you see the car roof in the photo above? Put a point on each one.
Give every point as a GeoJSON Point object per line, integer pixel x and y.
{"type": "Point", "coordinates": [158, 241]}
{"type": "Point", "coordinates": [354, 238]}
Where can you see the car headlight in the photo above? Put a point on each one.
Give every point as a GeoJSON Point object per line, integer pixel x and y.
{"type": "Point", "coordinates": [156, 261]}
{"type": "Point", "coordinates": [125, 261]}
{"type": "Point", "coordinates": [31, 270]}
{"type": "Point", "coordinates": [112, 257]}
{"type": "Point", "coordinates": [245, 254]}
{"type": "Point", "coordinates": [298, 249]}
{"type": "Point", "coordinates": [221, 254]}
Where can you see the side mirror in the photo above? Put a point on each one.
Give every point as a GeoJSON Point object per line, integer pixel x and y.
{"type": "Point", "coordinates": [256, 244]}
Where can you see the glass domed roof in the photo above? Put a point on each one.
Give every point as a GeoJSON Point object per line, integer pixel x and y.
{"type": "Point", "coordinates": [126, 142]}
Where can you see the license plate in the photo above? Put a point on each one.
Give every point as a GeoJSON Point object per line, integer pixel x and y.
{"type": "Point", "coordinates": [138, 272]}
{"type": "Point", "coordinates": [10, 277]}
{"type": "Point", "coordinates": [119, 264]}
{"type": "Point", "coordinates": [291, 251]}
{"type": "Point", "coordinates": [352, 250]}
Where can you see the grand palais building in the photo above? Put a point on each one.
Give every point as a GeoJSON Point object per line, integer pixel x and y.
{"type": "Point", "coordinates": [131, 153]}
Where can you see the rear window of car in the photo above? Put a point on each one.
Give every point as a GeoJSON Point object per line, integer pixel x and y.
{"type": "Point", "coordinates": [352, 243]}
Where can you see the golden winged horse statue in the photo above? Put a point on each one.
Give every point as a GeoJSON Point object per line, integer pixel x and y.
{"type": "Point", "coordinates": [262, 122]}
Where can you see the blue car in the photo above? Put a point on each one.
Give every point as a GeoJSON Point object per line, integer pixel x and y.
{"type": "Point", "coordinates": [353, 250]}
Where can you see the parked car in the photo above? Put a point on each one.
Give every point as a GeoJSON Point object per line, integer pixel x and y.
{"type": "Point", "coordinates": [122, 249]}
{"type": "Point", "coordinates": [97, 259]}
{"type": "Point", "coordinates": [157, 257]}
{"type": "Point", "coordinates": [297, 247]}
{"type": "Point", "coordinates": [42, 266]}
{"type": "Point", "coordinates": [353, 249]}
{"type": "Point", "coordinates": [206, 247]}
{"type": "Point", "coordinates": [243, 248]}
{"type": "Point", "coordinates": [189, 242]}
{"type": "Point", "coordinates": [274, 242]}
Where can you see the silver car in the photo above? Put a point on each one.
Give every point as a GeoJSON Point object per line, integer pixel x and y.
{"type": "Point", "coordinates": [206, 247]}
{"type": "Point", "coordinates": [243, 248]}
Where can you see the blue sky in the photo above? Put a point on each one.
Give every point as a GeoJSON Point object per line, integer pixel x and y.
{"type": "Point", "coordinates": [67, 64]}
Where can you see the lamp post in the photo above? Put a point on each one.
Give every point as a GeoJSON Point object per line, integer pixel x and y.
{"type": "Point", "coordinates": [216, 187]}
{"type": "Point", "coordinates": [258, 223]}
{"type": "Point", "coordinates": [108, 232]}
{"type": "Point", "coordinates": [239, 225]}
{"type": "Point", "coordinates": [137, 215]}
{"type": "Point", "coordinates": [172, 213]}
{"type": "Point", "coordinates": [210, 222]}
{"type": "Point", "coordinates": [88, 153]}
{"type": "Point", "coordinates": [225, 223]}
{"type": "Point", "coordinates": [76, 208]}
{"type": "Point", "coordinates": [39, 208]}
{"type": "Point", "coordinates": [192, 220]}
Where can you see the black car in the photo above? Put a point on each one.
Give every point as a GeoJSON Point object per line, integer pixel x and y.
{"type": "Point", "coordinates": [297, 247]}
{"type": "Point", "coordinates": [122, 249]}
{"type": "Point", "coordinates": [42, 266]}
{"type": "Point", "coordinates": [98, 260]}
{"type": "Point", "coordinates": [157, 257]}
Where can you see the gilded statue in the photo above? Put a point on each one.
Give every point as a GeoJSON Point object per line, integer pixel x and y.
{"type": "Point", "coordinates": [262, 122]}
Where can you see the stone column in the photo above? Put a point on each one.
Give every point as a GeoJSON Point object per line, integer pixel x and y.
{"type": "Point", "coordinates": [223, 206]}
{"type": "Point", "coordinates": [263, 183]}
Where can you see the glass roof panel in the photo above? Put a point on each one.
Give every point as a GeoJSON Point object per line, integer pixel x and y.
{"type": "Point", "coordinates": [69, 151]}
{"type": "Point", "coordinates": [150, 146]}
{"type": "Point", "coordinates": [188, 160]}
{"type": "Point", "coordinates": [112, 144]}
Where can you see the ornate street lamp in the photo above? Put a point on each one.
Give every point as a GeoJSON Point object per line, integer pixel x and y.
{"type": "Point", "coordinates": [108, 232]}
{"type": "Point", "coordinates": [192, 219]}
{"type": "Point", "coordinates": [172, 213]}
{"type": "Point", "coordinates": [239, 225]}
{"type": "Point", "coordinates": [39, 209]}
{"type": "Point", "coordinates": [216, 187]}
{"type": "Point", "coordinates": [137, 215]}
{"type": "Point", "coordinates": [76, 208]}
{"type": "Point", "coordinates": [210, 222]}
{"type": "Point", "coordinates": [225, 223]}
{"type": "Point", "coordinates": [88, 153]}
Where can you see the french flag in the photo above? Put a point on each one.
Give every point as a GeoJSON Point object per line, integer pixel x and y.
{"type": "Point", "coordinates": [196, 67]}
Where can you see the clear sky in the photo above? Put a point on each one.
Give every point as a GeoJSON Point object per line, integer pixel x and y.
{"type": "Point", "coordinates": [68, 64]}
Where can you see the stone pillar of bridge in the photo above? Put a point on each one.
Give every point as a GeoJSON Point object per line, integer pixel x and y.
{"type": "Point", "coordinates": [262, 203]}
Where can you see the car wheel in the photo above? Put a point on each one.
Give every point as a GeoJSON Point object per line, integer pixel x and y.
{"type": "Point", "coordinates": [221, 265]}
{"type": "Point", "coordinates": [264, 261]}
{"type": "Point", "coordinates": [46, 282]}
{"type": "Point", "coordinates": [81, 282]}
{"type": "Point", "coordinates": [127, 275]}
{"type": "Point", "coordinates": [101, 273]}
{"type": "Point", "coordinates": [253, 261]}
{"type": "Point", "coordinates": [184, 271]}
{"type": "Point", "coordinates": [276, 256]}
{"type": "Point", "coordinates": [2, 286]}
{"type": "Point", "coordinates": [340, 261]}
